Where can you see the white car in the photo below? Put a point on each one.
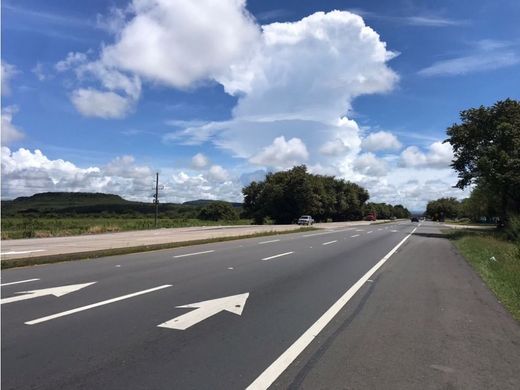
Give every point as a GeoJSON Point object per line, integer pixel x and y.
{"type": "Point", "coordinates": [305, 220]}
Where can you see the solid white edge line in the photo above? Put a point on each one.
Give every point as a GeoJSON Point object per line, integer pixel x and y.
{"type": "Point", "coordinates": [193, 254]}
{"type": "Point", "coordinates": [21, 281]}
{"type": "Point", "coordinates": [330, 242]}
{"type": "Point", "coordinates": [272, 372]}
{"type": "Point", "coordinates": [268, 242]}
{"type": "Point", "coordinates": [275, 256]}
{"type": "Point", "coordinates": [91, 306]}
{"type": "Point", "coordinates": [22, 252]}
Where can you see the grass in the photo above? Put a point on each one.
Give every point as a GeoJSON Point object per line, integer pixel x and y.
{"type": "Point", "coordinates": [24, 227]}
{"type": "Point", "coordinates": [497, 261]}
{"type": "Point", "coordinates": [23, 262]}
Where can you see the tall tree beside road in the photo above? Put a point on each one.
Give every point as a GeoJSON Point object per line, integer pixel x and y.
{"type": "Point", "coordinates": [284, 196]}
{"type": "Point", "coordinates": [486, 149]}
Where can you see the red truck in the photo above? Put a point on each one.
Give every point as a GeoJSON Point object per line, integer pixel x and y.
{"type": "Point", "coordinates": [371, 216]}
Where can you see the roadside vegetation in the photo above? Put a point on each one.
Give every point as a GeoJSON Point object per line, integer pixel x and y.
{"type": "Point", "coordinates": [284, 196]}
{"type": "Point", "coordinates": [486, 147]}
{"type": "Point", "coordinates": [497, 260]}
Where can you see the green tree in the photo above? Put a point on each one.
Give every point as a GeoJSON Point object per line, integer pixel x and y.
{"type": "Point", "coordinates": [218, 211]}
{"type": "Point", "coordinates": [486, 149]}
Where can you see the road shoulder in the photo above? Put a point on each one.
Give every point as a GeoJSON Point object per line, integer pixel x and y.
{"type": "Point", "coordinates": [425, 321]}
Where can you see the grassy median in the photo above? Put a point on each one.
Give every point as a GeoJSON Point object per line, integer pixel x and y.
{"type": "Point", "coordinates": [497, 260]}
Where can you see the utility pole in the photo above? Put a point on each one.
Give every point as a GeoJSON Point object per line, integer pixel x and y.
{"type": "Point", "coordinates": [156, 198]}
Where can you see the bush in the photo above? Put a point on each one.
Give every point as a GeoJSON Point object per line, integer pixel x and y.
{"type": "Point", "coordinates": [513, 229]}
{"type": "Point", "coordinates": [218, 211]}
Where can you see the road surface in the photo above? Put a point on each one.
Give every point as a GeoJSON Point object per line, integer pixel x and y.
{"type": "Point", "coordinates": [365, 307]}
{"type": "Point", "coordinates": [38, 247]}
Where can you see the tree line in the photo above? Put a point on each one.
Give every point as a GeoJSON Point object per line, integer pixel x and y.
{"type": "Point", "coordinates": [282, 197]}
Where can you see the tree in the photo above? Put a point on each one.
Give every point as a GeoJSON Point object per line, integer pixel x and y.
{"type": "Point", "coordinates": [218, 211]}
{"type": "Point", "coordinates": [443, 208]}
{"type": "Point", "coordinates": [486, 149]}
{"type": "Point", "coordinates": [285, 196]}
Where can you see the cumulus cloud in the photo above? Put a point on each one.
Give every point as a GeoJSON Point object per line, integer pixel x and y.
{"type": "Point", "coordinates": [26, 172]}
{"type": "Point", "coordinates": [199, 161]}
{"type": "Point", "coordinates": [10, 133]}
{"type": "Point", "coordinates": [282, 154]}
{"type": "Point", "coordinates": [73, 59]}
{"type": "Point", "coordinates": [382, 140]}
{"type": "Point", "coordinates": [369, 165]}
{"type": "Point", "coordinates": [101, 104]}
{"type": "Point", "coordinates": [178, 43]}
{"type": "Point", "coordinates": [438, 155]}
{"type": "Point", "coordinates": [217, 173]}
{"type": "Point", "coordinates": [8, 71]}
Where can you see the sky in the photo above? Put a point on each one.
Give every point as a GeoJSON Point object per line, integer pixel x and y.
{"type": "Point", "coordinates": [99, 95]}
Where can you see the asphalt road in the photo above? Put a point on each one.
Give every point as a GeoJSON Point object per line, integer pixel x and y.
{"type": "Point", "coordinates": [318, 310]}
{"type": "Point", "coordinates": [48, 246]}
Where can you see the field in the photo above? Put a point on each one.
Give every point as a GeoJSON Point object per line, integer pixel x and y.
{"type": "Point", "coordinates": [23, 227]}
{"type": "Point", "coordinates": [498, 263]}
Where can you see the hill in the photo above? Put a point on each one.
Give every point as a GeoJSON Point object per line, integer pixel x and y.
{"type": "Point", "coordinates": [205, 202]}
{"type": "Point", "coordinates": [69, 204]}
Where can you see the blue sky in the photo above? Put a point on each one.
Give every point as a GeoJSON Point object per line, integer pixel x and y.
{"type": "Point", "coordinates": [97, 96]}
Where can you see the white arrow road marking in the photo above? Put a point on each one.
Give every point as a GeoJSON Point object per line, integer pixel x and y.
{"type": "Point", "coordinates": [56, 291]}
{"type": "Point", "coordinates": [21, 281]}
{"type": "Point", "coordinates": [22, 252]}
{"type": "Point", "coordinates": [193, 254]}
{"type": "Point", "coordinates": [205, 309]}
{"type": "Point", "coordinates": [275, 256]}
{"type": "Point", "coordinates": [91, 306]}
{"type": "Point", "coordinates": [272, 372]}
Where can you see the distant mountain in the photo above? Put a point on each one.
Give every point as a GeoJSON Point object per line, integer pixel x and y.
{"type": "Point", "coordinates": [60, 204]}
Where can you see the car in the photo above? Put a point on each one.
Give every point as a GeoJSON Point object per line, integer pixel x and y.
{"type": "Point", "coordinates": [415, 219]}
{"type": "Point", "coordinates": [305, 220]}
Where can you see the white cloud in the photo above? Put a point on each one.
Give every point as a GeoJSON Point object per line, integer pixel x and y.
{"type": "Point", "coordinates": [282, 154]}
{"type": "Point", "coordinates": [178, 43]}
{"type": "Point", "coordinates": [8, 71]}
{"type": "Point", "coordinates": [369, 165]}
{"type": "Point", "coordinates": [439, 155]}
{"type": "Point", "coordinates": [26, 172]}
{"type": "Point", "coordinates": [217, 173]}
{"type": "Point", "coordinates": [472, 63]}
{"type": "Point", "coordinates": [101, 104]}
{"type": "Point", "coordinates": [10, 133]}
{"type": "Point", "coordinates": [39, 71]}
{"type": "Point", "coordinates": [199, 161]}
{"type": "Point", "coordinates": [73, 59]}
{"type": "Point", "coordinates": [382, 140]}
{"type": "Point", "coordinates": [334, 147]}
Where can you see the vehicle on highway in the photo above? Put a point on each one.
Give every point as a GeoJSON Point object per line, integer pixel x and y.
{"type": "Point", "coordinates": [305, 220]}
{"type": "Point", "coordinates": [372, 216]}
{"type": "Point", "coordinates": [415, 219]}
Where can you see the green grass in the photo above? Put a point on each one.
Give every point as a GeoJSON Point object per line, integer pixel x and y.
{"type": "Point", "coordinates": [502, 275]}
{"type": "Point", "coordinates": [28, 261]}
{"type": "Point", "coordinates": [23, 227]}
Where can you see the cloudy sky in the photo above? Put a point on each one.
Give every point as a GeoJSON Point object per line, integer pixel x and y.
{"type": "Point", "coordinates": [98, 96]}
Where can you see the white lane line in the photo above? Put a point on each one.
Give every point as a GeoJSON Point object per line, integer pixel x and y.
{"type": "Point", "coordinates": [20, 281]}
{"type": "Point", "coordinates": [330, 242]}
{"type": "Point", "coordinates": [193, 254]}
{"type": "Point", "coordinates": [272, 372]}
{"type": "Point", "coordinates": [359, 230]}
{"type": "Point", "coordinates": [371, 231]}
{"type": "Point", "coordinates": [393, 231]}
{"type": "Point", "coordinates": [275, 256]}
{"type": "Point", "coordinates": [355, 235]}
{"type": "Point", "coordinates": [93, 305]}
{"type": "Point", "coordinates": [268, 242]}
{"type": "Point", "coordinates": [22, 252]}
{"type": "Point", "coordinates": [316, 234]}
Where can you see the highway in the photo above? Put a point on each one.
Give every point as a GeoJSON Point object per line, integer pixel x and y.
{"type": "Point", "coordinates": [378, 306]}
